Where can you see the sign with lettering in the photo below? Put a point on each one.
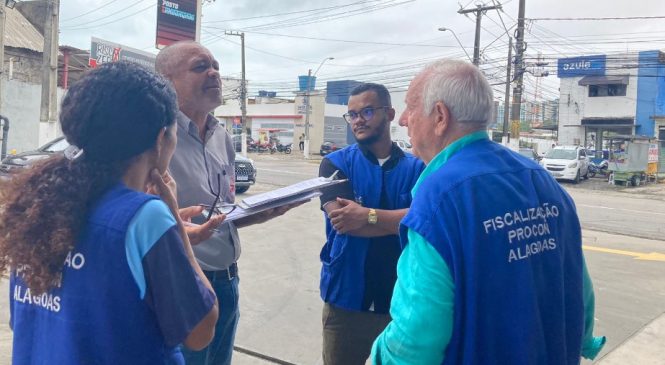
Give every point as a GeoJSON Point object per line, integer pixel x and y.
{"type": "Point", "coordinates": [102, 51]}
{"type": "Point", "coordinates": [176, 21]}
{"type": "Point", "coordinates": [653, 152]}
{"type": "Point", "coordinates": [581, 66]}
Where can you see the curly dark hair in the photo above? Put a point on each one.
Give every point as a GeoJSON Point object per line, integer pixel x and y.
{"type": "Point", "coordinates": [114, 114]}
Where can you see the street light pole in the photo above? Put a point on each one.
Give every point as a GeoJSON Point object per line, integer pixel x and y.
{"type": "Point", "coordinates": [2, 50]}
{"type": "Point", "coordinates": [307, 105]}
{"type": "Point", "coordinates": [243, 94]}
{"type": "Point", "coordinates": [443, 29]}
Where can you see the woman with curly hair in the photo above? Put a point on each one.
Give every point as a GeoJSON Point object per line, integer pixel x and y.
{"type": "Point", "coordinates": [100, 271]}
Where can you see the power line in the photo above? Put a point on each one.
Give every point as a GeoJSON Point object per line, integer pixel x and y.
{"type": "Point", "coordinates": [342, 40]}
{"type": "Point", "coordinates": [300, 21]}
{"type": "Point", "coordinates": [90, 12]}
{"type": "Point", "coordinates": [602, 18]}
{"type": "Point", "coordinates": [78, 26]}
{"type": "Point", "coordinates": [289, 13]}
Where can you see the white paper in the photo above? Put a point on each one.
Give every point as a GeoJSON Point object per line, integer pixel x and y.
{"type": "Point", "coordinates": [288, 191]}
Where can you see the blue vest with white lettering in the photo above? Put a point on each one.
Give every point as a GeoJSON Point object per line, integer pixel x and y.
{"type": "Point", "coordinates": [511, 238]}
{"type": "Point", "coordinates": [97, 315]}
{"type": "Point", "coordinates": [343, 256]}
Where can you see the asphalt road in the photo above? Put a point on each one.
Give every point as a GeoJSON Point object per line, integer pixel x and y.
{"type": "Point", "coordinates": [637, 212]}
{"type": "Point", "coordinates": [279, 267]}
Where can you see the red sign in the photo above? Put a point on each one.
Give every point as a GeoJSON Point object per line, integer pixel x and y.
{"type": "Point", "coordinates": [176, 21]}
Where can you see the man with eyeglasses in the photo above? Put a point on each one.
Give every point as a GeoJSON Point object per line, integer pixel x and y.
{"type": "Point", "coordinates": [203, 166]}
{"type": "Point", "coordinates": [362, 217]}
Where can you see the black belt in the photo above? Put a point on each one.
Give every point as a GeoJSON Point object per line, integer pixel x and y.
{"type": "Point", "coordinates": [230, 273]}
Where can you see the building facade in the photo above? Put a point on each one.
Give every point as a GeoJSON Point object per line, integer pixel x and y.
{"type": "Point", "coordinates": [606, 95]}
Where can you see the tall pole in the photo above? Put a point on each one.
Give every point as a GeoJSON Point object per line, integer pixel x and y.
{"type": "Point", "coordinates": [479, 11]}
{"type": "Point", "coordinates": [506, 106]}
{"type": "Point", "coordinates": [307, 111]}
{"type": "Point", "coordinates": [476, 42]}
{"type": "Point", "coordinates": [2, 51]}
{"type": "Point", "coordinates": [49, 101]}
{"type": "Point", "coordinates": [243, 94]}
{"type": "Point", "coordinates": [519, 73]}
{"type": "Point", "coordinates": [308, 95]}
{"type": "Point", "coordinates": [243, 100]}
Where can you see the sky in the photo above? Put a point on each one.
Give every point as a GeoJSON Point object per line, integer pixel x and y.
{"type": "Point", "coordinates": [385, 41]}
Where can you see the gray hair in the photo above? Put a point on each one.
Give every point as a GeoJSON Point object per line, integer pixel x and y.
{"type": "Point", "coordinates": [462, 88]}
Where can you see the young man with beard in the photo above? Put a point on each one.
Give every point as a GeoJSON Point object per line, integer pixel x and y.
{"type": "Point", "coordinates": [362, 218]}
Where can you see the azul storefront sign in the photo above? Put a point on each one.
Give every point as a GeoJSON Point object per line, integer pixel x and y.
{"type": "Point", "coordinates": [581, 66]}
{"type": "Point", "coordinates": [102, 51]}
{"type": "Point", "coordinates": [176, 21]}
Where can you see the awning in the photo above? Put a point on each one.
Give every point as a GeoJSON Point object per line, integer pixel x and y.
{"type": "Point", "coordinates": [608, 122]}
{"type": "Point", "coordinates": [603, 80]}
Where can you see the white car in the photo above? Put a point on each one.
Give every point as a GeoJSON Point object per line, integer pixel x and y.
{"type": "Point", "coordinates": [567, 163]}
{"type": "Point", "coordinates": [404, 145]}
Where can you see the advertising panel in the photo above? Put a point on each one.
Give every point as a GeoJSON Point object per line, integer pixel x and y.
{"type": "Point", "coordinates": [653, 152]}
{"type": "Point", "coordinates": [102, 51]}
{"type": "Point", "coordinates": [176, 21]}
{"type": "Point", "coordinates": [581, 66]}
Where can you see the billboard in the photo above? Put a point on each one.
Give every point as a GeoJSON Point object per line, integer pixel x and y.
{"type": "Point", "coordinates": [102, 51]}
{"type": "Point", "coordinates": [176, 21]}
{"type": "Point", "coordinates": [581, 66]}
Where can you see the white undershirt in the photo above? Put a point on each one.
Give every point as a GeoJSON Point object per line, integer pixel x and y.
{"type": "Point", "coordinates": [382, 160]}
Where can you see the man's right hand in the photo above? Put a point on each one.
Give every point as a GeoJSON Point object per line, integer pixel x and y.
{"type": "Point", "coordinates": [199, 233]}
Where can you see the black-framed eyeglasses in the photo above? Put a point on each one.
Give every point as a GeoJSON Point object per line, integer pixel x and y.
{"type": "Point", "coordinates": [216, 207]}
{"type": "Point", "coordinates": [365, 113]}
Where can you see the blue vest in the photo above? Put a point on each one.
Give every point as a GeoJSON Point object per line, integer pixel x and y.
{"type": "Point", "coordinates": [511, 238]}
{"type": "Point", "coordinates": [97, 315]}
{"type": "Point", "coordinates": [343, 256]}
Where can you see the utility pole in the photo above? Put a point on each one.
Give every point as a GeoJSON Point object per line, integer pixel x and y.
{"type": "Point", "coordinates": [307, 111]}
{"type": "Point", "coordinates": [506, 105]}
{"type": "Point", "coordinates": [49, 104]}
{"type": "Point", "coordinates": [2, 50]}
{"type": "Point", "coordinates": [243, 94]}
{"type": "Point", "coordinates": [308, 95]}
{"type": "Point", "coordinates": [479, 10]}
{"type": "Point", "coordinates": [519, 73]}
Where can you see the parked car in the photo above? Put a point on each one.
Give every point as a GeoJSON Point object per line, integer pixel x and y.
{"type": "Point", "coordinates": [404, 145]}
{"type": "Point", "coordinates": [244, 168]}
{"type": "Point", "coordinates": [328, 147]}
{"type": "Point", "coordinates": [567, 163]}
{"type": "Point", "coordinates": [13, 163]}
{"type": "Point", "coordinates": [530, 154]}
{"type": "Point", "coordinates": [245, 174]}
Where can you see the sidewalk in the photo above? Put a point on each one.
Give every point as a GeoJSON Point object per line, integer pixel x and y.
{"type": "Point", "coordinates": [645, 347]}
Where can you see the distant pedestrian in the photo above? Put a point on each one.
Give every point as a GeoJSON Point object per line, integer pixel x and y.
{"type": "Point", "coordinates": [301, 142]}
{"type": "Point", "coordinates": [487, 275]}
{"type": "Point", "coordinates": [100, 271]}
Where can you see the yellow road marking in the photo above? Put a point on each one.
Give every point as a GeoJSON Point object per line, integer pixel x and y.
{"type": "Point", "coordinates": [651, 256]}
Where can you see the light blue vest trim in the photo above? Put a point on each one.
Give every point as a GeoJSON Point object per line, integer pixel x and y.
{"type": "Point", "coordinates": [148, 225]}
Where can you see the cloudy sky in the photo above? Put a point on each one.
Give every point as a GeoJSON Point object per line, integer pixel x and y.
{"type": "Point", "coordinates": [384, 41]}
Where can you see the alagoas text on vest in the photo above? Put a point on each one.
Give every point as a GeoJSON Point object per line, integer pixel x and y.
{"type": "Point", "coordinates": [527, 230]}
{"type": "Point", "coordinates": [49, 300]}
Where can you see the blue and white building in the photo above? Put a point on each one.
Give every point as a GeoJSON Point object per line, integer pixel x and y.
{"type": "Point", "coordinates": [605, 95]}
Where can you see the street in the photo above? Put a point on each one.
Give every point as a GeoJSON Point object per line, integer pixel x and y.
{"type": "Point", "coordinates": [279, 267]}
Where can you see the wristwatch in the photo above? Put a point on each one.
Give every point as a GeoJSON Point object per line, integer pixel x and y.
{"type": "Point", "coordinates": [372, 218]}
